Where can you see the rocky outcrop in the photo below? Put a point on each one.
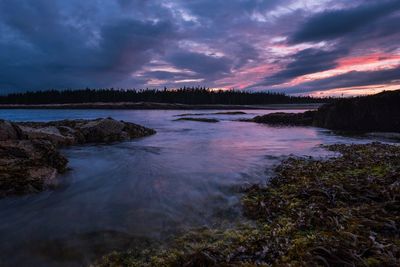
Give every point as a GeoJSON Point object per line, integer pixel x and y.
{"type": "Point", "coordinates": [9, 130]}
{"type": "Point", "coordinates": [29, 159]}
{"type": "Point", "coordinates": [71, 132]}
{"type": "Point", "coordinates": [376, 113]}
{"type": "Point", "coordinates": [281, 118]}
{"type": "Point", "coordinates": [28, 166]}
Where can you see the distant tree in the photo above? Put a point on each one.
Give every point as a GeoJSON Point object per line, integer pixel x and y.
{"type": "Point", "coordinates": [185, 95]}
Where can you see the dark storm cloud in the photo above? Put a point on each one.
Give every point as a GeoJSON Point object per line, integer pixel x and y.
{"type": "Point", "coordinates": [332, 24]}
{"type": "Point", "coordinates": [50, 49]}
{"type": "Point", "coordinates": [204, 65]}
{"type": "Point", "coordinates": [305, 62]}
{"type": "Point", "coordinates": [140, 43]}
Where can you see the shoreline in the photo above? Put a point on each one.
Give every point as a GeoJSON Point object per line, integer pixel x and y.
{"type": "Point", "coordinates": [329, 212]}
{"type": "Point", "coordinates": [157, 106]}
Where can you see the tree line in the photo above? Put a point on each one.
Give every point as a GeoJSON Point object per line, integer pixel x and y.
{"type": "Point", "coordinates": [185, 95]}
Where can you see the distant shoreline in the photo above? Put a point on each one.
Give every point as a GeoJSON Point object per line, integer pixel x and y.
{"type": "Point", "coordinates": [161, 106]}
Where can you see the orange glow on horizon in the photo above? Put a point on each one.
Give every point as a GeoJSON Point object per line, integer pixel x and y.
{"type": "Point", "coordinates": [356, 90]}
{"type": "Point", "coordinates": [372, 62]}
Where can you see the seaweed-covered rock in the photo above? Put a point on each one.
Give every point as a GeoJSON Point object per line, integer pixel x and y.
{"type": "Point", "coordinates": [282, 118]}
{"type": "Point", "coordinates": [28, 166]}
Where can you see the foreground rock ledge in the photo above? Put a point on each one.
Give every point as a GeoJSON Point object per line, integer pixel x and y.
{"type": "Point", "coordinates": [29, 159]}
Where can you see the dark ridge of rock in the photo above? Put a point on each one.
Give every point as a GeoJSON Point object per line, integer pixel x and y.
{"type": "Point", "coordinates": [215, 113]}
{"type": "Point", "coordinates": [380, 113]}
{"type": "Point", "coordinates": [282, 118]}
{"type": "Point", "coordinates": [70, 132]}
{"type": "Point", "coordinates": [231, 113]}
{"type": "Point", "coordinates": [198, 119]}
{"type": "Point", "coordinates": [9, 130]}
{"type": "Point", "coordinates": [29, 159]}
{"type": "Point", "coordinates": [28, 166]}
{"type": "Point", "coordinates": [375, 113]}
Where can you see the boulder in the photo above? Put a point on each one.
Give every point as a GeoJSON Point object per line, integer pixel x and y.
{"type": "Point", "coordinates": [28, 166]}
{"type": "Point", "coordinates": [29, 159]}
{"type": "Point", "coordinates": [8, 131]}
{"type": "Point", "coordinates": [281, 118]}
{"type": "Point", "coordinates": [71, 132]}
{"type": "Point", "coordinates": [103, 130]}
{"type": "Point", "coordinates": [50, 133]}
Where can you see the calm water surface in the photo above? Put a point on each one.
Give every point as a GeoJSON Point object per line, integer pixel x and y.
{"type": "Point", "coordinates": [187, 175]}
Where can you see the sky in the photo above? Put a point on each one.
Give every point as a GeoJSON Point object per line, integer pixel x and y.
{"type": "Point", "coordinates": [306, 47]}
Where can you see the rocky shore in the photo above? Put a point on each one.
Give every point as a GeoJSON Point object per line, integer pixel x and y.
{"type": "Point", "coordinates": [30, 160]}
{"type": "Point", "coordinates": [341, 211]}
{"type": "Point", "coordinates": [376, 113]}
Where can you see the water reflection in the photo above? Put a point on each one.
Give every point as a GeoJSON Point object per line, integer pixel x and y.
{"type": "Point", "coordinates": [182, 177]}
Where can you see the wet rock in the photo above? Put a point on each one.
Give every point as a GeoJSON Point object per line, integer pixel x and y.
{"type": "Point", "coordinates": [29, 160]}
{"type": "Point", "coordinates": [28, 166]}
{"type": "Point", "coordinates": [70, 132]}
{"type": "Point", "coordinates": [281, 118]}
{"type": "Point", "coordinates": [49, 133]}
{"type": "Point", "coordinates": [8, 130]}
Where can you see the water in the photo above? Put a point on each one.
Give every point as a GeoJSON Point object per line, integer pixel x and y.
{"type": "Point", "coordinates": [187, 175]}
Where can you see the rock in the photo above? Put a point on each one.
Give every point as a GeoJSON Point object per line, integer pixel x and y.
{"type": "Point", "coordinates": [8, 131]}
{"type": "Point", "coordinates": [281, 118]}
{"type": "Point", "coordinates": [198, 119]}
{"type": "Point", "coordinates": [28, 166]}
{"type": "Point", "coordinates": [374, 113]}
{"type": "Point", "coordinates": [49, 133]}
{"type": "Point", "coordinates": [71, 132]}
{"type": "Point", "coordinates": [135, 130]}
{"type": "Point", "coordinates": [29, 160]}
{"type": "Point", "coordinates": [103, 130]}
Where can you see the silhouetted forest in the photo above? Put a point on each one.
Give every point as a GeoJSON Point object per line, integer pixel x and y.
{"type": "Point", "coordinates": [191, 96]}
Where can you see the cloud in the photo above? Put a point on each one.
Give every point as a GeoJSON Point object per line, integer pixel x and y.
{"type": "Point", "coordinates": [306, 61]}
{"type": "Point", "coordinates": [139, 43]}
{"type": "Point", "coordinates": [59, 51]}
{"type": "Point", "coordinates": [336, 23]}
{"type": "Point", "coordinates": [203, 65]}
{"type": "Point", "coordinates": [347, 80]}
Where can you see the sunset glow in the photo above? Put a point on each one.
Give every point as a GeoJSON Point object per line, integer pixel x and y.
{"type": "Point", "coordinates": [290, 46]}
